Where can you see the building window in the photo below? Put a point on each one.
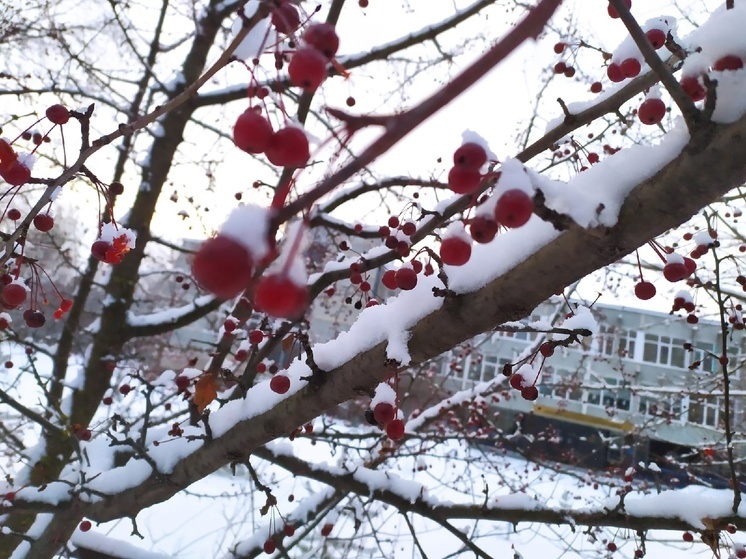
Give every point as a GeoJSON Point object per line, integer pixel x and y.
{"type": "Point", "coordinates": [561, 384]}
{"type": "Point", "coordinates": [665, 350]}
{"type": "Point", "coordinates": [483, 367]}
{"type": "Point", "coordinates": [617, 342]}
{"type": "Point", "coordinates": [664, 406]}
{"type": "Point", "coordinates": [610, 395]}
{"type": "Point", "coordinates": [705, 410]}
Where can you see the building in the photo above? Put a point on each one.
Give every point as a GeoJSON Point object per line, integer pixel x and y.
{"type": "Point", "coordinates": [648, 387]}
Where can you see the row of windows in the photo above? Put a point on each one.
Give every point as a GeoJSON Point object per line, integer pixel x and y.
{"type": "Point", "coordinates": [650, 348]}
{"type": "Point", "coordinates": [610, 393]}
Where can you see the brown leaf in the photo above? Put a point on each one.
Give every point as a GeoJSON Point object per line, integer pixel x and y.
{"type": "Point", "coordinates": [287, 343]}
{"type": "Point", "coordinates": [205, 391]}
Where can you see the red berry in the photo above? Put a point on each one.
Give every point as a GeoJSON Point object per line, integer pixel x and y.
{"type": "Point", "coordinates": [546, 349]}
{"type": "Point", "coordinates": [693, 88]}
{"type": "Point", "coordinates": [612, 10]}
{"type": "Point", "coordinates": [269, 546]}
{"type": "Point", "coordinates": [463, 181]}
{"type": "Point", "coordinates": [285, 18]}
{"type": "Point", "coordinates": [307, 69]}
{"type": "Point", "coordinates": [455, 251]}
{"type": "Point", "coordinates": [645, 290]}
{"type": "Point", "coordinates": [675, 271]}
{"type": "Point", "coordinates": [14, 214]}
{"type": "Point", "coordinates": [393, 222]}
{"type": "Point", "coordinates": [182, 382]}
{"type": "Point", "coordinates": [326, 529]}
{"type": "Point", "coordinates": [58, 114]}
{"type": "Point", "coordinates": [470, 156]}
{"type": "Point", "coordinates": [86, 524]}
{"type": "Point", "coordinates": [395, 429]}
{"type": "Point", "coordinates": [514, 208]}
{"type": "Point", "coordinates": [256, 337]}
{"type": "Point", "coordinates": [280, 384]}
{"type": "Point", "coordinates": [611, 546]}
{"type": "Point", "coordinates": [384, 413]}
{"type": "Point", "coordinates": [657, 37]}
{"type": "Point", "coordinates": [322, 37]}
{"type": "Point", "coordinates": [728, 62]}
{"type": "Point", "coordinates": [409, 229]}
{"type": "Point", "coordinates": [560, 68]}
{"type": "Point", "coordinates": [614, 72]}
{"type": "Point", "coordinates": [43, 222]}
{"type": "Point", "coordinates": [559, 47]}
{"type": "Point", "coordinates": [13, 294]}
{"type": "Point", "coordinates": [406, 279]}
{"type": "Point", "coordinates": [125, 389]}
{"type": "Point", "coordinates": [516, 381]}
{"type": "Point", "coordinates": [389, 279]}
{"type": "Point", "coordinates": [630, 67]}
{"type": "Point", "coordinates": [289, 530]}
{"type": "Point", "coordinates": [16, 173]}
{"type": "Point", "coordinates": [278, 296]}
{"type": "Point", "coordinates": [252, 132]}
{"type": "Point", "coordinates": [483, 229]}
{"type": "Point", "coordinates": [222, 266]}
{"type": "Point", "coordinates": [529, 393]}
{"type": "Point", "coordinates": [99, 250]}
{"type": "Point", "coordinates": [651, 111]}
{"type": "Point", "coordinates": [116, 188]}
{"type": "Point", "coordinates": [687, 537]}
{"type": "Point", "coordinates": [288, 147]}
{"type": "Point", "coordinates": [596, 87]}
{"type": "Point", "coordinates": [741, 553]}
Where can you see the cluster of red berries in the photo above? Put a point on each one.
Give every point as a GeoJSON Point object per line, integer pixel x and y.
{"type": "Point", "coordinates": [308, 66]}
{"type": "Point", "coordinates": [394, 241]}
{"type": "Point", "coordinates": [383, 415]}
{"type": "Point", "coordinates": [693, 85]}
{"type": "Point", "coordinates": [517, 381]}
{"type": "Point", "coordinates": [253, 133]}
{"type": "Point", "coordinates": [270, 545]}
{"type": "Point", "coordinates": [405, 278]}
{"type": "Point", "coordinates": [562, 67]}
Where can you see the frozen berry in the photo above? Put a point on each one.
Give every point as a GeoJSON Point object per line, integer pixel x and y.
{"type": "Point", "coordinates": [483, 229]}
{"type": "Point", "coordinates": [406, 279]}
{"type": "Point", "coordinates": [280, 384]}
{"type": "Point", "coordinates": [288, 147]}
{"type": "Point", "coordinates": [252, 132]}
{"type": "Point", "coordinates": [322, 37]}
{"type": "Point", "coordinates": [463, 180]}
{"type": "Point", "coordinates": [395, 429]}
{"type": "Point", "coordinates": [278, 296]}
{"type": "Point", "coordinates": [222, 266]}
{"type": "Point", "coordinates": [657, 37]}
{"type": "Point", "coordinates": [644, 290]}
{"type": "Point", "coordinates": [58, 114]}
{"type": "Point", "coordinates": [470, 156]}
{"type": "Point", "coordinates": [651, 111]}
{"type": "Point", "coordinates": [307, 69]}
{"type": "Point", "coordinates": [43, 222]}
{"type": "Point", "coordinates": [384, 413]}
{"type": "Point", "coordinates": [514, 208]}
{"type": "Point", "coordinates": [455, 251]}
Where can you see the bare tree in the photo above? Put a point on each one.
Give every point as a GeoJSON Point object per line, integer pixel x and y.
{"type": "Point", "coordinates": [140, 96]}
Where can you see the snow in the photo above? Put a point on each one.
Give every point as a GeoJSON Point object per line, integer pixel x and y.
{"type": "Point", "coordinates": [258, 37]}
{"type": "Point", "coordinates": [248, 225]}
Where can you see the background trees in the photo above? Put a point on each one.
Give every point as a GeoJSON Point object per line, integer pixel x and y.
{"type": "Point", "coordinates": [102, 430]}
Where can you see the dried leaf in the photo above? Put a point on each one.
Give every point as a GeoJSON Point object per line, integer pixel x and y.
{"type": "Point", "coordinates": [287, 343]}
{"type": "Point", "coordinates": [205, 391]}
